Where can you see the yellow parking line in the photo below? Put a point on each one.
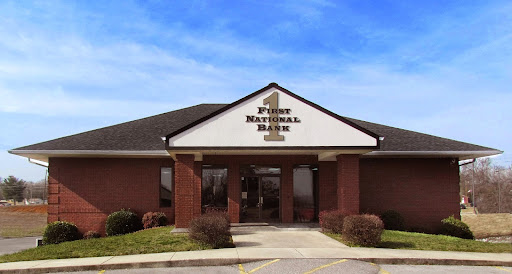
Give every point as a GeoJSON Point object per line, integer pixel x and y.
{"type": "Point", "coordinates": [241, 268]}
{"type": "Point", "coordinates": [382, 271]}
{"type": "Point", "coordinates": [262, 266]}
{"type": "Point", "coordinates": [101, 272]}
{"type": "Point", "coordinates": [326, 265]}
{"type": "Point", "coordinates": [504, 269]}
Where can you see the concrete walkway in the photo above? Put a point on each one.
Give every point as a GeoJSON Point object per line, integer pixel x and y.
{"type": "Point", "coordinates": [272, 236]}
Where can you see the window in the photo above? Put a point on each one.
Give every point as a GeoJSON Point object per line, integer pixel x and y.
{"type": "Point", "coordinates": [166, 178]}
{"type": "Point", "coordinates": [305, 202]}
{"type": "Point", "coordinates": [214, 188]}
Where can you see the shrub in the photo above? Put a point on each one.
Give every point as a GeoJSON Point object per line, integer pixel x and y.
{"type": "Point", "coordinates": [363, 230]}
{"type": "Point", "coordinates": [332, 221]}
{"type": "Point", "coordinates": [91, 235]}
{"type": "Point", "coordinates": [58, 232]}
{"type": "Point", "coordinates": [122, 222]}
{"type": "Point", "coordinates": [393, 220]}
{"type": "Point", "coordinates": [457, 228]}
{"type": "Point", "coordinates": [154, 219]}
{"type": "Point", "coordinates": [212, 229]}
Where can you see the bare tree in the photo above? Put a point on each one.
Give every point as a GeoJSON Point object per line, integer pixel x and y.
{"type": "Point", "coordinates": [492, 186]}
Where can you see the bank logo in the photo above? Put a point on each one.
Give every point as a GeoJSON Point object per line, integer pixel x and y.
{"type": "Point", "coordinates": [270, 118]}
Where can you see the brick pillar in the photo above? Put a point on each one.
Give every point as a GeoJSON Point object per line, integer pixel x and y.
{"type": "Point", "coordinates": [328, 186]}
{"type": "Point", "coordinates": [198, 176]}
{"type": "Point", "coordinates": [287, 193]}
{"type": "Point", "coordinates": [234, 193]}
{"type": "Point", "coordinates": [348, 183]}
{"type": "Point", "coordinates": [53, 193]}
{"type": "Point", "coordinates": [184, 176]}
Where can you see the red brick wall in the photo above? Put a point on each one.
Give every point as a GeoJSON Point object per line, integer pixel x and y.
{"type": "Point", "coordinates": [348, 183]}
{"type": "Point", "coordinates": [328, 186]}
{"type": "Point", "coordinates": [424, 191]}
{"type": "Point", "coordinates": [86, 190]}
{"type": "Point", "coordinates": [184, 178]}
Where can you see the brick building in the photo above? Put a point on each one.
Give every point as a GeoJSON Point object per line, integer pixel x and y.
{"type": "Point", "coordinates": [271, 156]}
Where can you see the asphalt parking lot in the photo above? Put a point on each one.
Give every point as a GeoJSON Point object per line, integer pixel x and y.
{"type": "Point", "coordinates": [308, 266]}
{"type": "Point", "coordinates": [12, 245]}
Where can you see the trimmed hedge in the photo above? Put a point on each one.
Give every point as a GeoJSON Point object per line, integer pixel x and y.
{"type": "Point", "coordinates": [154, 219]}
{"type": "Point", "coordinates": [393, 220]}
{"type": "Point", "coordinates": [211, 229]}
{"type": "Point", "coordinates": [332, 221]}
{"type": "Point", "coordinates": [122, 222]}
{"type": "Point", "coordinates": [363, 230]}
{"type": "Point", "coordinates": [456, 228]}
{"type": "Point", "coordinates": [59, 231]}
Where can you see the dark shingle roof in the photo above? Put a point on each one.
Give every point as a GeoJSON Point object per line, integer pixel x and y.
{"type": "Point", "coordinates": [141, 134]}
{"type": "Point", "coordinates": [397, 139]}
{"type": "Point", "coordinates": [145, 135]}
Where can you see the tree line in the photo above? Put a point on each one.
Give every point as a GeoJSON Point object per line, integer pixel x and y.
{"type": "Point", "coordinates": [16, 189]}
{"type": "Point", "coordinates": [491, 186]}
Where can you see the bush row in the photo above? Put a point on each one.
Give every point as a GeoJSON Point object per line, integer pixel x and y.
{"type": "Point", "coordinates": [366, 229]}
{"type": "Point", "coordinates": [118, 223]}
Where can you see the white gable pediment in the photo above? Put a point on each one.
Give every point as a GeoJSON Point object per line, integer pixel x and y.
{"type": "Point", "coordinates": [272, 117]}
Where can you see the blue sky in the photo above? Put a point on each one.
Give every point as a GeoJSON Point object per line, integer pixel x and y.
{"type": "Point", "coordinates": [438, 67]}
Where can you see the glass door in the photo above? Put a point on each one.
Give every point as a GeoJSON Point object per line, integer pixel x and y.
{"type": "Point", "coordinates": [260, 194]}
{"type": "Point", "coordinates": [250, 199]}
{"type": "Point", "coordinates": [269, 199]}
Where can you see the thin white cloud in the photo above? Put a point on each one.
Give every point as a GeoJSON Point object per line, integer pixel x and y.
{"type": "Point", "coordinates": [57, 102]}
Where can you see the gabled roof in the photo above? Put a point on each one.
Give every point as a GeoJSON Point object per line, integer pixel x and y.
{"type": "Point", "coordinates": [143, 137]}
{"type": "Point", "coordinates": [331, 131]}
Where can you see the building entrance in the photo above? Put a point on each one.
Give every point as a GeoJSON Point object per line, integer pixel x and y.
{"type": "Point", "coordinates": [260, 194]}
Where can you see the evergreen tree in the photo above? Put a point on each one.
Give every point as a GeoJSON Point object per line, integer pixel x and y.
{"type": "Point", "coordinates": [12, 188]}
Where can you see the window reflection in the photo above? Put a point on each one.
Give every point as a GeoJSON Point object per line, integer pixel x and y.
{"type": "Point", "coordinates": [257, 170]}
{"type": "Point", "coordinates": [214, 188]}
{"type": "Point", "coordinates": [166, 186]}
{"type": "Point", "coordinates": [304, 193]}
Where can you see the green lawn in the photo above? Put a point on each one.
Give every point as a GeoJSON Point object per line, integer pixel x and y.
{"type": "Point", "coordinates": [146, 241]}
{"type": "Point", "coordinates": [420, 241]}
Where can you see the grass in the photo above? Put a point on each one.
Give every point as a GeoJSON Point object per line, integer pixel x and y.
{"type": "Point", "coordinates": [154, 240]}
{"type": "Point", "coordinates": [489, 224]}
{"type": "Point", "coordinates": [419, 241]}
{"type": "Point", "coordinates": [22, 221]}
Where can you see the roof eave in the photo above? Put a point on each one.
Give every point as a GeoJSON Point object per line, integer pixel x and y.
{"type": "Point", "coordinates": [44, 155]}
{"type": "Point", "coordinates": [461, 155]}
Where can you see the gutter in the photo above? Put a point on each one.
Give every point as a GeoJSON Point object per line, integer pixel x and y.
{"type": "Point", "coordinates": [467, 163]}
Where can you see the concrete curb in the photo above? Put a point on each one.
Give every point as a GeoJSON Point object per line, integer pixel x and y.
{"type": "Point", "coordinates": [231, 261]}
{"type": "Point", "coordinates": [134, 265]}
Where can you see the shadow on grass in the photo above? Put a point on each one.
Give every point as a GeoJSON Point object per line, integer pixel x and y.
{"type": "Point", "coordinates": [396, 245]}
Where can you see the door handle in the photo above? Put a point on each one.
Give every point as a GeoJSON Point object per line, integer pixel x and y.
{"type": "Point", "coordinates": [261, 200]}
